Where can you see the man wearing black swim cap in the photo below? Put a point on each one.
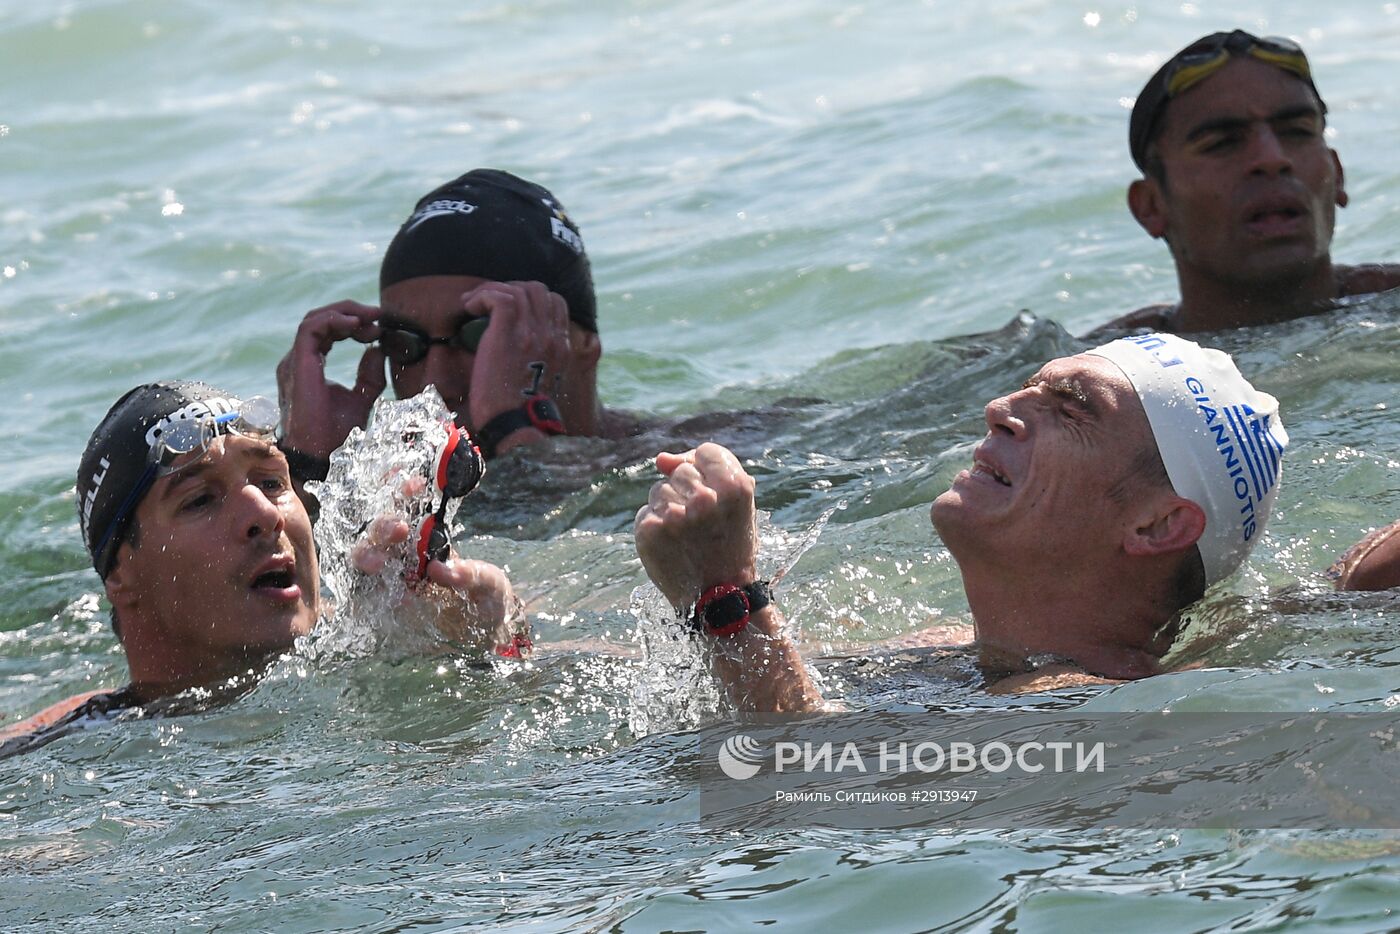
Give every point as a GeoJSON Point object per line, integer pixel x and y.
{"type": "Point", "coordinates": [1238, 179]}
{"type": "Point", "coordinates": [486, 293]}
{"type": "Point", "coordinates": [206, 554]}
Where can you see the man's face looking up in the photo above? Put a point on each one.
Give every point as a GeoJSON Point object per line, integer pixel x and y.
{"type": "Point", "coordinates": [1048, 481]}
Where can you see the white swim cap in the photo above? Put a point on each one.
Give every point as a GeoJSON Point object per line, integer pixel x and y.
{"type": "Point", "coordinates": [1220, 438]}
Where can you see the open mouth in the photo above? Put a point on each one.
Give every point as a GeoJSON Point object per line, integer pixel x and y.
{"type": "Point", "coordinates": [1271, 214]}
{"type": "Point", "coordinates": [987, 470]}
{"type": "Point", "coordinates": [1276, 216]}
{"type": "Point", "coordinates": [279, 579]}
{"type": "Point", "coordinates": [280, 576]}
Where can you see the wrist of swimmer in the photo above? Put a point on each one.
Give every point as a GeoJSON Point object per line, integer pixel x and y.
{"type": "Point", "coordinates": [527, 434]}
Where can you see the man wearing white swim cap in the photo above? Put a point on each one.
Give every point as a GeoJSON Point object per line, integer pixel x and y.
{"type": "Point", "coordinates": [1111, 489]}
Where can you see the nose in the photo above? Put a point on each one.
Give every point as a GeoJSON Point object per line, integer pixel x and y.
{"type": "Point", "coordinates": [263, 517]}
{"type": "Point", "coordinates": [1002, 418]}
{"type": "Point", "coordinates": [450, 370]}
{"type": "Point", "coordinates": [1267, 153]}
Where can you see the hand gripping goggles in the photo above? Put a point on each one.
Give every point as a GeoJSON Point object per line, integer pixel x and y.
{"type": "Point", "coordinates": [460, 468]}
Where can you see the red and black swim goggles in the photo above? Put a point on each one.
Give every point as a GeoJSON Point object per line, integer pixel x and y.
{"type": "Point", "coordinates": [405, 345]}
{"type": "Point", "coordinates": [460, 468]}
{"type": "Point", "coordinates": [1200, 60]}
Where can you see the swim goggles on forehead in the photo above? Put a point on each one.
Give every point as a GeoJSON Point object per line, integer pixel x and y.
{"type": "Point", "coordinates": [1200, 60]}
{"type": "Point", "coordinates": [254, 418]}
{"type": "Point", "coordinates": [460, 468]}
{"type": "Point", "coordinates": [405, 346]}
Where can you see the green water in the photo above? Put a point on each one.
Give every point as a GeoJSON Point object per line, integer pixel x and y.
{"type": "Point", "coordinates": [787, 199]}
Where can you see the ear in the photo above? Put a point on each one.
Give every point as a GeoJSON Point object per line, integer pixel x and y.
{"type": "Point", "coordinates": [586, 346]}
{"type": "Point", "coordinates": [1174, 525]}
{"type": "Point", "coordinates": [1149, 206]}
{"type": "Point", "coordinates": [121, 580]}
{"type": "Point", "coordinates": [1341, 179]}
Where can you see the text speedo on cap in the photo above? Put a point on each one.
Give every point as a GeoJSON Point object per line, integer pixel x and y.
{"type": "Point", "coordinates": [118, 454]}
{"type": "Point", "coordinates": [1220, 439]}
{"type": "Point", "coordinates": [495, 225]}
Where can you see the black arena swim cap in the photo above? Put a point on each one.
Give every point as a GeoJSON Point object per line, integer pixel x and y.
{"type": "Point", "coordinates": [118, 454]}
{"type": "Point", "coordinates": [491, 224]}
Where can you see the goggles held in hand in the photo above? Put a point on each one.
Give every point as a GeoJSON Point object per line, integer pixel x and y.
{"type": "Point", "coordinates": [459, 471]}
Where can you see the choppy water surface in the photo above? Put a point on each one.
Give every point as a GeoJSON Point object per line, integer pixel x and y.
{"type": "Point", "coordinates": [823, 217]}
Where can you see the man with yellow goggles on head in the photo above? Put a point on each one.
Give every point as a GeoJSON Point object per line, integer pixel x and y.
{"type": "Point", "coordinates": [1241, 184]}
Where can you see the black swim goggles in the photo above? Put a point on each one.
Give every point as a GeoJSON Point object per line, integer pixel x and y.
{"type": "Point", "coordinates": [460, 468]}
{"type": "Point", "coordinates": [255, 418]}
{"type": "Point", "coordinates": [1200, 60]}
{"type": "Point", "coordinates": [405, 346]}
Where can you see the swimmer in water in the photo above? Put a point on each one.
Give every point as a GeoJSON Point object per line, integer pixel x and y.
{"type": "Point", "coordinates": [1238, 179]}
{"type": "Point", "coordinates": [206, 553]}
{"type": "Point", "coordinates": [486, 293]}
{"type": "Point", "coordinates": [1109, 492]}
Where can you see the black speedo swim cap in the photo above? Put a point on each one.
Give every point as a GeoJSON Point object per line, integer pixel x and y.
{"type": "Point", "coordinates": [111, 473]}
{"type": "Point", "coordinates": [491, 224]}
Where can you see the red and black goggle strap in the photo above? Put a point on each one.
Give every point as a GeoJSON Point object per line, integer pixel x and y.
{"type": "Point", "coordinates": [459, 471]}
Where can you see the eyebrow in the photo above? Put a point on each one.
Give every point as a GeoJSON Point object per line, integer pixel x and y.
{"type": "Point", "coordinates": [1230, 124]}
{"type": "Point", "coordinates": [195, 471]}
{"type": "Point", "coordinates": [389, 319]}
{"type": "Point", "coordinates": [1065, 388]}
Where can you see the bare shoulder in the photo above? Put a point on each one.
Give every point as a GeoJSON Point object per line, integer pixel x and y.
{"type": "Point", "coordinates": [1367, 279]}
{"type": "Point", "coordinates": [616, 424]}
{"type": "Point", "coordinates": [1047, 678]}
{"type": "Point", "coordinates": [953, 634]}
{"type": "Point", "coordinates": [48, 717]}
{"type": "Point", "coordinates": [1151, 317]}
{"type": "Point", "coordinates": [1372, 563]}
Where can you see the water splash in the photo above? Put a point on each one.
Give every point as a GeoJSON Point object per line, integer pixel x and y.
{"type": "Point", "coordinates": [673, 689]}
{"type": "Point", "coordinates": [386, 470]}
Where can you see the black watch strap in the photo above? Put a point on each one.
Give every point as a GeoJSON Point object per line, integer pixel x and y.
{"type": "Point", "coordinates": [538, 412]}
{"type": "Point", "coordinates": [303, 466]}
{"type": "Point", "coordinates": [725, 609]}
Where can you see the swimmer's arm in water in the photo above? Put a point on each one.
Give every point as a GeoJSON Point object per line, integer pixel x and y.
{"type": "Point", "coordinates": [761, 670]}
{"type": "Point", "coordinates": [1047, 678]}
{"type": "Point", "coordinates": [48, 717]}
{"type": "Point", "coordinates": [1366, 279]}
{"type": "Point", "coordinates": [1372, 563]}
{"type": "Point", "coordinates": [475, 602]}
{"type": "Point", "coordinates": [699, 529]}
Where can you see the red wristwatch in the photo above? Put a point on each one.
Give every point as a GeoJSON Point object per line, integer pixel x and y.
{"type": "Point", "coordinates": [539, 411]}
{"type": "Point", "coordinates": [726, 609]}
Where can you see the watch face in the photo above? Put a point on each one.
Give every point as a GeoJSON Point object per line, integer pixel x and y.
{"type": "Point", "coordinates": [544, 415]}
